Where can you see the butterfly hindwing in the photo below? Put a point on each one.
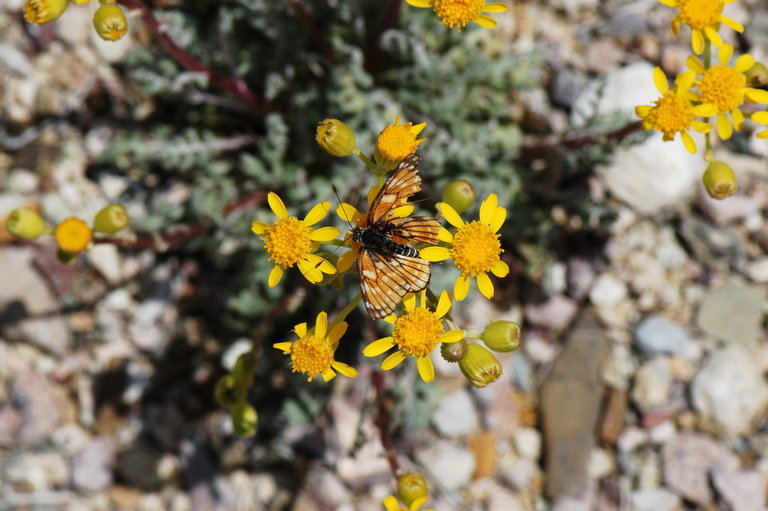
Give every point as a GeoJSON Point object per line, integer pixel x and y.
{"type": "Point", "coordinates": [417, 229]}
{"type": "Point", "coordinates": [385, 279]}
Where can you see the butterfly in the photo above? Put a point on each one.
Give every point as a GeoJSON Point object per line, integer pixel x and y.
{"type": "Point", "coordinates": [386, 266]}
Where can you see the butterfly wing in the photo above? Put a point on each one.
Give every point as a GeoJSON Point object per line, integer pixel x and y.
{"type": "Point", "coordinates": [414, 229]}
{"type": "Point", "coordinates": [385, 279]}
{"type": "Point", "coordinates": [399, 186]}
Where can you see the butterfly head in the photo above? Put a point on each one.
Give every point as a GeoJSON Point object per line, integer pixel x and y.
{"type": "Point", "coordinates": [357, 234]}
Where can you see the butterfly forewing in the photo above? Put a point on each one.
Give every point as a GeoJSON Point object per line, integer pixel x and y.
{"type": "Point", "coordinates": [387, 268]}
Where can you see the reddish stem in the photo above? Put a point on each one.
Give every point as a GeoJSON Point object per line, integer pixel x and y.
{"type": "Point", "coordinates": [235, 86]}
{"type": "Point", "coordinates": [543, 148]}
{"type": "Point", "coordinates": [384, 405]}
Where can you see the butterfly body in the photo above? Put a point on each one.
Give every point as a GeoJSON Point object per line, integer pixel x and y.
{"type": "Point", "coordinates": [386, 266]}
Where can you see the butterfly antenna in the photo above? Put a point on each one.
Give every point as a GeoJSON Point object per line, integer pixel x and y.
{"type": "Point", "coordinates": [336, 192]}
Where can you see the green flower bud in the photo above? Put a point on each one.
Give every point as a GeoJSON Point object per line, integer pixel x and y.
{"type": "Point", "coordinates": [459, 194]}
{"type": "Point", "coordinates": [245, 420]}
{"type": "Point", "coordinates": [757, 75]}
{"type": "Point", "coordinates": [230, 390]}
{"type": "Point", "coordinates": [719, 180]}
{"type": "Point", "coordinates": [246, 364]}
{"type": "Point", "coordinates": [25, 223]}
{"type": "Point", "coordinates": [111, 219]}
{"type": "Point", "coordinates": [501, 335]}
{"type": "Point", "coordinates": [335, 137]}
{"type": "Point", "coordinates": [480, 366]}
{"type": "Point", "coordinates": [453, 351]}
{"type": "Point", "coordinates": [411, 487]}
{"type": "Point", "coordinates": [110, 22]}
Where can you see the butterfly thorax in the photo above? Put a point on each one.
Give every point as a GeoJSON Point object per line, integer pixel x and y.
{"type": "Point", "coordinates": [378, 241]}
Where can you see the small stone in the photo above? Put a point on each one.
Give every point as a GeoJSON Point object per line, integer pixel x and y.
{"type": "Point", "coordinates": [450, 464]}
{"type": "Point", "coordinates": [688, 459]}
{"type": "Point", "coordinates": [653, 384]}
{"type": "Point", "coordinates": [607, 291]}
{"type": "Point", "coordinates": [567, 85]}
{"type": "Point", "coordinates": [733, 313]}
{"type": "Point", "coordinates": [456, 415]}
{"type": "Point", "coordinates": [233, 352]}
{"type": "Point", "coordinates": [106, 259]}
{"type": "Point", "coordinates": [556, 313]}
{"type": "Point", "coordinates": [601, 464]}
{"type": "Point", "coordinates": [37, 472]}
{"type": "Point", "coordinates": [581, 275]}
{"type": "Point", "coordinates": [730, 210]}
{"type": "Point", "coordinates": [631, 438]}
{"type": "Point", "coordinates": [663, 432]}
{"type": "Point", "coordinates": [657, 499]}
{"type": "Point", "coordinates": [657, 335]}
{"type": "Point", "coordinates": [40, 406]}
{"type": "Point", "coordinates": [614, 415]}
{"type": "Point", "coordinates": [527, 443]}
{"type": "Point", "coordinates": [731, 390]}
{"type": "Point", "coordinates": [757, 270]}
{"type": "Point", "coordinates": [517, 472]}
{"type": "Point", "coordinates": [742, 490]}
{"type": "Point", "coordinates": [92, 467]}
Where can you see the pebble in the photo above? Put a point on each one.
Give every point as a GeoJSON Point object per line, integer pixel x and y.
{"type": "Point", "coordinates": [657, 499]}
{"type": "Point", "coordinates": [517, 472]}
{"type": "Point", "coordinates": [92, 467]}
{"type": "Point", "coordinates": [37, 472]}
{"type": "Point", "coordinates": [607, 291]}
{"type": "Point", "coordinates": [731, 390]}
{"type": "Point", "coordinates": [555, 314]}
{"type": "Point", "coordinates": [733, 313]}
{"type": "Point", "coordinates": [40, 407]}
{"type": "Point", "coordinates": [728, 211]}
{"type": "Point", "coordinates": [581, 275]}
{"type": "Point", "coordinates": [449, 463]}
{"type": "Point", "coordinates": [456, 415]}
{"type": "Point", "coordinates": [656, 335]}
{"type": "Point", "coordinates": [757, 270]}
{"type": "Point", "coordinates": [527, 443]}
{"type": "Point", "coordinates": [742, 490]}
{"type": "Point", "coordinates": [105, 258]}
{"type": "Point", "coordinates": [688, 459]}
{"type": "Point", "coordinates": [653, 384]}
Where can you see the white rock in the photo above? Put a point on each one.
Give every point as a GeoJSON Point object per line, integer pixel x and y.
{"type": "Point", "coordinates": [607, 291]}
{"type": "Point", "coordinates": [451, 465]}
{"type": "Point", "coordinates": [456, 415]}
{"type": "Point", "coordinates": [23, 181]}
{"type": "Point", "coordinates": [106, 259]}
{"type": "Point", "coordinates": [730, 389]}
{"type": "Point", "coordinates": [517, 472]}
{"type": "Point", "coordinates": [743, 490]}
{"type": "Point", "coordinates": [528, 443]}
{"type": "Point", "coordinates": [757, 270]}
{"type": "Point", "coordinates": [663, 433]}
{"type": "Point", "coordinates": [658, 499]}
{"type": "Point", "coordinates": [632, 438]}
{"type": "Point", "coordinates": [653, 384]}
{"type": "Point", "coordinates": [233, 352]}
{"type": "Point", "coordinates": [601, 463]}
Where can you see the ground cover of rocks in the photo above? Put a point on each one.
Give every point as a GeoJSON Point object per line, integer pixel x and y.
{"type": "Point", "coordinates": [640, 383]}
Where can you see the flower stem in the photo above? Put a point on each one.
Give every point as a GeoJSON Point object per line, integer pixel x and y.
{"type": "Point", "coordinates": [368, 163]}
{"type": "Point", "coordinates": [341, 316]}
{"type": "Point", "coordinates": [708, 136]}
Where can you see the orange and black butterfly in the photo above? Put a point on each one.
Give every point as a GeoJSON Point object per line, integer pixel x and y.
{"type": "Point", "coordinates": [387, 267]}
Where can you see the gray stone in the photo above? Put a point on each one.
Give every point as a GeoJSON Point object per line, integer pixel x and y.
{"type": "Point", "coordinates": [570, 406]}
{"type": "Point", "coordinates": [742, 490]}
{"type": "Point", "coordinates": [456, 415]}
{"type": "Point", "coordinates": [567, 85]}
{"type": "Point", "coordinates": [653, 384]}
{"type": "Point", "coordinates": [448, 463]}
{"type": "Point", "coordinates": [39, 409]}
{"type": "Point", "coordinates": [92, 466]}
{"type": "Point", "coordinates": [731, 390]}
{"type": "Point", "coordinates": [657, 335]}
{"type": "Point", "coordinates": [556, 313]}
{"type": "Point", "coordinates": [688, 460]}
{"type": "Point", "coordinates": [657, 499]}
{"type": "Point", "coordinates": [37, 472]}
{"type": "Point", "coordinates": [733, 313]}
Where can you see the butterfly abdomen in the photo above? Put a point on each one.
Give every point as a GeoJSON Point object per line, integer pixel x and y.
{"type": "Point", "coordinates": [379, 242]}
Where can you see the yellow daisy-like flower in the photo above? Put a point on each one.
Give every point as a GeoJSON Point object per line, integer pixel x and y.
{"type": "Point", "coordinates": [726, 88]}
{"type": "Point", "coordinates": [704, 18]}
{"type": "Point", "coordinates": [673, 112]}
{"type": "Point", "coordinates": [291, 241]}
{"type": "Point", "coordinates": [43, 11]}
{"type": "Point", "coordinates": [395, 142]}
{"type": "Point", "coordinates": [474, 247]}
{"type": "Point", "coordinates": [391, 504]}
{"type": "Point", "coordinates": [312, 353]}
{"type": "Point", "coordinates": [458, 13]}
{"type": "Point", "coordinates": [417, 332]}
{"type": "Point", "coordinates": [72, 235]}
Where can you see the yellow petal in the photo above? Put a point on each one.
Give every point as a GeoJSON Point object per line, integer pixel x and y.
{"type": "Point", "coordinates": [705, 110]}
{"type": "Point", "coordinates": [485, 285]}
{"type": "Point", "coordinates": [275, 275]}
{"type": "Point", "coordinates": [675, 26]}
{"type": "Point", "coordinates": [346, 260]}
{"type": "Point", "coordinates": [669, 3]}
{"type": "Point", "coordinates": [688, 142]}
{"type": "Point", "coordinates": [697, 41]}
{"type": "Point", "coordinates": [393, 360]}
{"type": "Point", "coordinates": [494, 7]}
{"type": "Point", "coordinates": [452, 336]}
{"type": "Point", "coordinates": [310, 271]}
{"type": "Point", "coordinates": [760, 117]}
{"type": "Point", "coordinates": [738, 119]}
{"type": "Point", "coordinates": [450, 214]}
{"type": "Point", "coordinates": [321, 325]}
{"type": "Point", "coordinates": [329, 374]}
{"type": "Point", "coordinates": [426, 369]}
{"type": "Point", "coordinates": [324, 234]}
{"type": "Point", "coordinates": [643, 110]}
{"type": "Point", "coordinates": [693, 62]}
{"type": "Point", "coordinates": [409, 302]}
{"type": "Point", "coordinates": [283, 346]}
{"type": "Point", "coordinates": [684, 82]}
{"type": "Point", "coordinates": [461, 288]}
{"type": "Point", "coordinates": [317, 213]}
{"type": "Point", "coordinates": [498, 219]}
{"type": "Point", "coordinates": [391, 319]}
{"type": "Point", "coordinates": [259, 228]}
{"type": "Point", "coordinates": [372, 191]}
{"type": "Point", "coordinates": [403, 211]}
{"type": "Point", "coordinates": [301, 329]}
{"type": "Point", "coordinates": [443, 304]}
{"type": "Point", "coordinates": [744, 62]}
{"type": "Point", "coordinates": [500, 269]}
{"type": "Point", "coordinates": [763, 134]}
{"type": "Point", "coordinates": [445, 235]}
{"type": "Point", "coordinates": [420, 3]}
{"type": "Point", "coordinates": [348, 212]}
{"type": "Point", "coordinates": [337, 332]}
{"type": "Point", "coordinates": [276, 204]}
{"type": "Point", "coordinates": [390, 503]}
{"type": "Point", "coordinates": [738, 27]}
{"type": "Point", "coordinates": [486, 22]}
{"type": "Point", "coordinates": [488, 208]}
{"type": "Point", "coordinates": [701, 127]}
{"type": "Point", "coordinates": [713, 36]}
{"type": "Point", "coordinates": [434, 254]}
{"type": "Point", "coordinates": [724, 54]}
{"type": "Point", "coordinates": [379, 346]}
{"type": "Point", "coordinates": [346, 370]}
{"type": "Point", "coordinates": [757, 95]}
{"type": "Point", "coordinates": [724, 129]}
{"type": "Point", "coordinates": [660, 80]}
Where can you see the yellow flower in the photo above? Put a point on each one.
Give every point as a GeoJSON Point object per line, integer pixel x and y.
{"type": "Point", "coordinates": [395, 142]}
{"type": "Point", "coordinates": [312, 353]}
{"type": "Point", "coordinates": [335, 137]}
{"type": "Point", "coordinates": [704, 18]}
{"type": "Point", "coordinates": [417, 332]}
{"type": "Point", "coordinates": [726, 88]}
{"type": "Point", "coordinates": [673, 112]}
{"type": "Point", "coordinates": [762, 118]}
{"type": "Point", "coordinates": [457, 13]}
{"type": "Point", "coordinates": [291, 241]}
{"type": "Point", "coordinates": [391, 504]}
{"type": "Point", "coordinates": [43, 11]}
{"type": "Point", "coordinates": [110, 22]}
{"type": "Point", "coordinates": [475, 247]}
{"type": "Point", "coordinates": [72, 235]}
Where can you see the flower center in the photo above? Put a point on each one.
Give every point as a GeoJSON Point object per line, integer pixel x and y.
{"type": "Point", "coordinates": [287, 241]}
{"type": "Point", "coordinates": [43, 11]}
{"type": "Point", "coordinates": [397, 142]}
{"type": "Point", "coordinates": [457, 13]}
{"type": "Point", "coordinates": [310, 355]}
{"type": "Point", "coordinates": [418, 332]}
{"type": "Point", "coordinates": [475, 248]}
{"type": "Point", "coordinates": [700, 14]}
{"type": "Point", "coordinates": [672, 114]}
{"type": "Point", "coordinates": [723, 86]}
{"type": "Point", "coordinates": [72, 235]}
